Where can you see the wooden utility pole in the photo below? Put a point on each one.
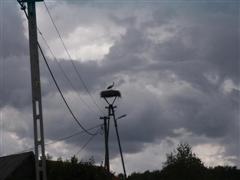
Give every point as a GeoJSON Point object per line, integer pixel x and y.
{"type": "Point", "coordinates": [40, 158]}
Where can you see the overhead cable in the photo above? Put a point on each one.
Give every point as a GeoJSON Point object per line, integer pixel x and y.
{"type": "Point", "coordinates": [88, 141]}
{"type": "Point", "coordinates": [23, 7]}
{"type": "Point", "coordinates": [71, 59]}
{"type": "Point", "coordinates": [64, 73]}
{"type": "Point", "coordinates": [63, 138]}
{"type": "Point", "coordinates": [60, 92]}
{"type": "Point", "coordinates": [73, 135]}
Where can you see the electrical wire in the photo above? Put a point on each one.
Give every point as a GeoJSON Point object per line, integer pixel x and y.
{"type": "Point", "coordinates": [71, 59]}
{"type": "Point", "coordinates": [63, 138]}
{"type": "Point", "coordinates": [57, 86]}
{"type": "Point", "coordinates": [72, 135]}
{"type": "Point", "coordinates": [60, 92]}
{"type": "Point", "coordinates": [85, 145]}
{"type": "Point", "coordinates": [64, 73]}
{"type": "Point", "coordinates": [23, 7]}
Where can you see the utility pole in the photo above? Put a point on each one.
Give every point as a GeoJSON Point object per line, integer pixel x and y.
{"type": "Point", "coordinates": [112, 113]}
{"type": "Point", "coordinates": [40, 158]}
{"type": "Point", "coordinates": [107, 95]}
{"type": "Point", "coordinates": [106, 135]}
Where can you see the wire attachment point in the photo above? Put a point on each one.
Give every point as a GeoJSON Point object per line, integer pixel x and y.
{"type": "Point", "coordinates": [21, 3]}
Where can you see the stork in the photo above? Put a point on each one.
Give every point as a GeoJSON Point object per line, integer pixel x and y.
{"type": "Point", "coordinates": [111, 86]}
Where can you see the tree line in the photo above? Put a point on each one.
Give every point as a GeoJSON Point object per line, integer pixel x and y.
{"type": "Point", "coordinates": [185, 165]}
{"type": "Point", "coordinates": [182, 164]}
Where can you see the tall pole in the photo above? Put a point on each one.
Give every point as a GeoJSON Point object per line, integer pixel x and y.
{"type": "Point", "coordinates": [40, 158]}
{"type": "Point", "coordinates": [111, 108]}
{"type": "Point", "coordinates": [106, 135]}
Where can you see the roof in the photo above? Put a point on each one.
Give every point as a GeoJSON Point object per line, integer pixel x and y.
{"type": "Point", "coordinates": [8, 164]}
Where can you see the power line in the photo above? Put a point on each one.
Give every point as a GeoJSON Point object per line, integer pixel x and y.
{"type": "Point", "coordinates": [72, 135]}
{"type": "Point", "coordinates": [64, 73]}
{"type": "Point", "coordinates": [64, 138]}
{"type": "Point", "coordinates": [71, 59]}
{"type": "Point", "coordinates": [55, 82]}
{"type": "Point", "coordinates": [23, 7]}
{"type": "Point", "coordinates": [59, 90]}
{"type": "Point", "coordinates": [88, 141]}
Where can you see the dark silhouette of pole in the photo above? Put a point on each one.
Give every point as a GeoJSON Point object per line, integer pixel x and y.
{"type": "Point", "coordinates": [106, 135]}
{"type": "Point", "coordinates": [40, 158]}
{"type": "Point", "coordinates": [113, 95]}
{"type": "Point", "coordinates": [111, 107]}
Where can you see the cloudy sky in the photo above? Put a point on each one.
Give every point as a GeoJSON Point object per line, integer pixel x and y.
{"type": "Point", "coordinates": [175, 62]}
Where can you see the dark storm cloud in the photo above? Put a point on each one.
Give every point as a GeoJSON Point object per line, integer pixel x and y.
{"type": "Point", "coordinates": [204, 44]}
{"type": "Point", "coordinates": [16, 88]}
{"type": "Point", "coordinates": [213, 48]}
{"type": "Point", "coordinates": [13, 53]}
{"type": "Point", "coordinates": [11, 24]}
{"type": "Point", "coordinates": [210, 40]}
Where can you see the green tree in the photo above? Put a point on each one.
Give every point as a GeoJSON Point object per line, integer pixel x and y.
{"type": "Point", "coordinates": [183, 165]}
{"type": "Point", "coordinates": [74, 160]}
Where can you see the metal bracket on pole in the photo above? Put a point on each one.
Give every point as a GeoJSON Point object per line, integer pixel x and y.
{"type": "Point", "coordinates": [39, 146]}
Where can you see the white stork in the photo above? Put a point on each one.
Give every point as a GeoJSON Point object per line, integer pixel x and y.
{"type": "Point", "coordinates": [111, 86]}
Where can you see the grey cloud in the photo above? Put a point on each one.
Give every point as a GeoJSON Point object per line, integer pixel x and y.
{"type": "Point", "coordinates": [202, 44]}
{"type": "Point", "coordinates": [11, 24]}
